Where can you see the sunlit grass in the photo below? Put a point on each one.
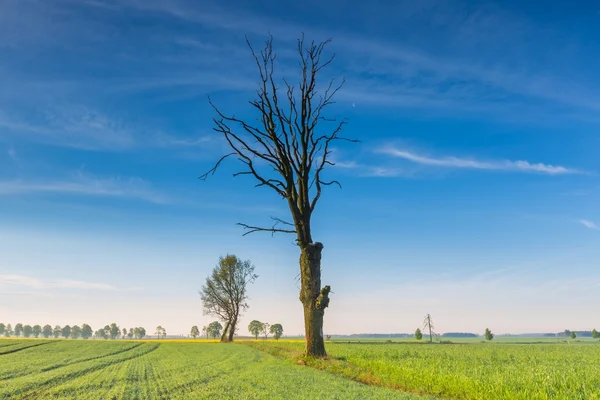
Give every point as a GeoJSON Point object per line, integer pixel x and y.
{"type": "Point", "coordinates": [165, 369]}
{"type": "Point", "coordinates": [462, 371]}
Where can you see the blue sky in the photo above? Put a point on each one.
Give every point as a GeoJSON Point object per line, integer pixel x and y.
{"type": "Point", "coordinates": [472, 195]}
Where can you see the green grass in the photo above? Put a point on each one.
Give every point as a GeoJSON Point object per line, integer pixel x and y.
{"type": "Point", "coordinates": [463, 371]}
{"type": "Point", "coordinates": [47, 369]}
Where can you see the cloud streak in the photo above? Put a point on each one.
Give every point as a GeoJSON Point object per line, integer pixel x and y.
{"type": "Point", "coordinates": [464, 163]}
{"type": "Point", "coordinates": [27, 281]}
{"type": "Point", "coordinates": [589, 224]}
{"type": "Point", "coordinates": [86, 185]}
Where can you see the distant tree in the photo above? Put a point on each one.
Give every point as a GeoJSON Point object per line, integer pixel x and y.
{"type": "Point", "coordinates": [327, 337]}
{"type": "Point", "coordinates": [265, 330]}
{"type": "Point", "coordinates": [195, 332]}
{"type": "Point", "coordinates": [214, 329]}
{"type": "Point", "coordinates": [123, 333]}
{"type": "Point", "coordinates": [103, 333]}
{"type": "Point", "coordinates": [56, 332]}
{"type": "Point", "coordinates": [488, 334]}
{"type": "Point", "coordinates": [595, 334]}
{"type": "Point", "coordinates": [205, 331]}
{"type": "Point", "coordinates": [86, 331]}
{"type": "Point", "coordinates": [573, 335]}
{"type": "Point", "coordinates": [255, 328]}
{"type": "Point", "coordinates": [47, 331]}
{"type": "Point", "coordinates": [139, 332]}
{"type": "Point", "coordinates": [2, 328]}
{"type": "Point", "coordinates": [27, 331]}
{"type": "Point", "coordinates": [114, 331]}
{"type": "Point", "coordinates": [66, 331]}
{"type": "Point", "coordinates": [428, 326]}
{"type": "Point", "coordinates": [276, 330]}
{"type": "Point", "coordinates": [75, 332]}
{"type": "Point", "coordinates": [567, 333]}
{"type": "Point", "coordinates": [8, 331]}
{"type": "Point", "coordinates": [224, 294]}
{"type": "Point", "coordinates": [160, 331]}
{"type": "Point", "coordinates": [37, 330]}
{"type": "Point", "coordinates": [130, 333]}
{"type": "Point", "coordinates": [18, 330]}
{"type": "Point", "coordinates": [418, 334]}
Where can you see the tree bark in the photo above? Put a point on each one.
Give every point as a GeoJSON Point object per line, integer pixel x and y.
{"type": "Point", "coordinates": [313, 298]}
{"type": "Point", "coordinates": [224, 337]}
{"type": "Point", "coordinates": [232, 328]}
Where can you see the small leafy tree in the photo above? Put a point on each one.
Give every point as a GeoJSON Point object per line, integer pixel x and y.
{"type": "Point", "coordinates": [195, 332]}
{"type": "Point", "coordinates": [418, 334]}
{"type": "Point", "coordinates": [123, 333]}
{"type": "Point", "coordinates": [224, 294]}
{"type": "Point", "coordinates": [86, 331]}
{"type": "Point", "coordinates": [205, 331]}
{"type": "Point", "coordinates": [27, 331]}
{"type": "Point", "coordinates": [255, 328]}
{"type": "Point", "coordinates": [18, 330]}
{"type": "Point", "coordinates": [595, 334]}
{"type": "Point", "coordinates": [214, 329]}
{"type": "Point", "coordinates": [8, 331]}
{"type": "Point", "coordinates": [2, 328]}
{"type": "Point", "coordinates": [488, 334]}
{"type": "Point", "coordinates": [567, 333]}
{"type": "Point", "coordinates": [56, 332]}
{"type": "Point", "coordinates": [66, 331]}
{"type": "Point", "coordinates": [47, 331]}
{"type": "Point", "coordinates": [573, 335]}
{"type": "Point", "coordinates": [37, 330]}
{"type": "Point", "coordinates": [265, 330]}
{"type": "Point", "coordinates": [75, 332]}
{"type": "Point", "coordinates": [276, 330]}
{"type": "Point", "coordinates": [130, 333]}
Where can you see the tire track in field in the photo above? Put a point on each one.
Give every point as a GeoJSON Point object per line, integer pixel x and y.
{"type": "Point", "coordinates": [11, 351]}
{"type": "Point", "coordinates": [210, 373]}
{"type": "Point", "coordinates": [62, 365]}
{"type": "Point", "coordinates": [31, 392]}
{"type": "Point", "coordinates": [57, 366]}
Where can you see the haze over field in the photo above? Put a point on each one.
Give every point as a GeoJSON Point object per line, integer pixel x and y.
{"type": "Point", "coordinates": [473, 195]}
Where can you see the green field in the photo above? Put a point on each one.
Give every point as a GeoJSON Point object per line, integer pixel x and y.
{"type": "Point", "coordinates": [465, 370]}
{"type": "Point", "coordinates": [46, 369]}
{"type": "Point", "coordinates": [180, 369]}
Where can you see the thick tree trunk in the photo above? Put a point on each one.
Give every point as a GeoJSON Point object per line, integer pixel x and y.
{"type": "Point", "coordinates": [224, 337]}
{"type": "Point", "coordinates": [232, 329]}
{"type": "Point", "coordinates": [313, 298]}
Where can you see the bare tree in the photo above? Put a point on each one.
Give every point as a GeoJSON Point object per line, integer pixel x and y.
{"type": "Point", "coordinates": [287, 154]}
{"type": "Point", "coordinates": [428, 325]}
{"type": "Point", "coordinates": [224, 294]}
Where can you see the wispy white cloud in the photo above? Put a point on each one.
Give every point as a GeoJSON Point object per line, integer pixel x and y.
{"type": "Point", "coordinates": [87, 185]}
{"type": "Point", "coordinates": [36, 283]}
{"type": "Point", "coordinates": [589, 224]}
{"type": "Point", "coordinates": [457, 162]}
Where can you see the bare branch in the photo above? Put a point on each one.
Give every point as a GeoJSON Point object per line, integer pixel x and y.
{"type": "Point", "coordinates": [251, 229]}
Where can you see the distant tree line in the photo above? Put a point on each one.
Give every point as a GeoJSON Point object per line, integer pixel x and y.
{"type": "Point", "coordinates": [84, 331]}
{"type": "Point", "coordinates": [460, 335]}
